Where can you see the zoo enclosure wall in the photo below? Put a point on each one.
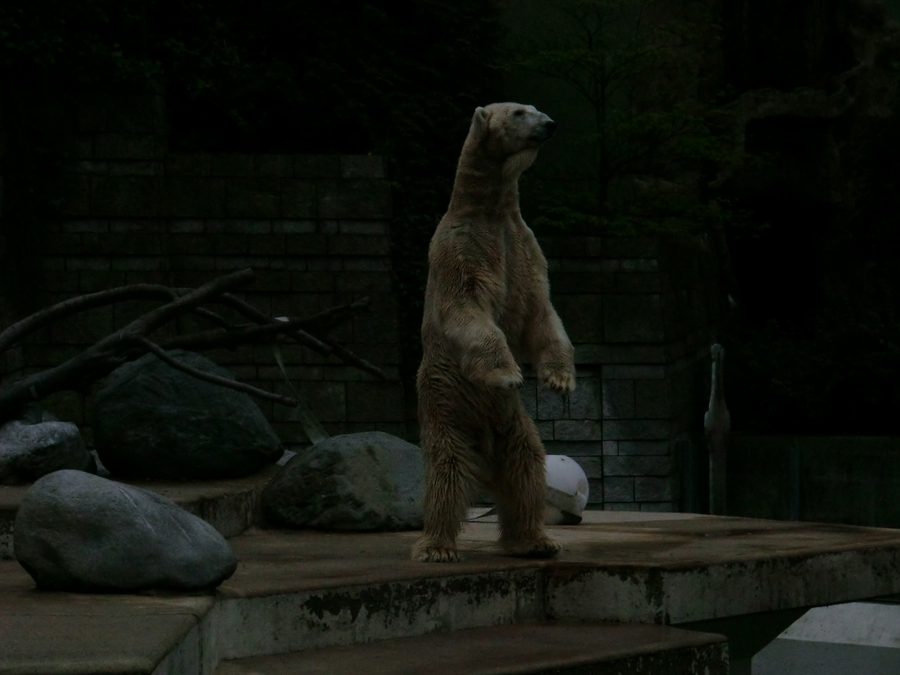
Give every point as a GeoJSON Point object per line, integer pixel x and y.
{"type": "Point", "coordinates": [316, 231]}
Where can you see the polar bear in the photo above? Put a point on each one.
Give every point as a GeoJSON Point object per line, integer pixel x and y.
{"type": "Point", "coordinates": [487, 306]}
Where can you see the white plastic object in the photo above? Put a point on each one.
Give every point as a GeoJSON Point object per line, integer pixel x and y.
{"type": "Point", "coordinates": [567, 491]}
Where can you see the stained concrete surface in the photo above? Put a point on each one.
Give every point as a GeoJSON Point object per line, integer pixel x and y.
{"type": "Point", "coordinates": [571, 649]}
{"type": "Point", "coordinates": [298, 590]}
{"type": "Point", "coordinates": [67, 633]}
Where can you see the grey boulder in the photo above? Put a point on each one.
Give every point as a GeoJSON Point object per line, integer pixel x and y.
{"type": "Point", "coordinates": [364, 481]}
{"type": "Point", "coordinates": [79, 532]}
{"type": "Point", "coordinates": [153, 421]}
{"type": "Point", "coordinates": [31, 450]}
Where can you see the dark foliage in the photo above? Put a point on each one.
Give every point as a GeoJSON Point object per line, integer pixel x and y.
{"type": "Point", "coordinates": [820, 351]}
{"type": "Point", "coordinates": [636, 68]}
{"type": "Point", "coordinates": [820, 347]}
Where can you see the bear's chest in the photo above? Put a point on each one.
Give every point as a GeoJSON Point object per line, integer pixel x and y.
{"type": "Point", "coordinates": [514, 299]}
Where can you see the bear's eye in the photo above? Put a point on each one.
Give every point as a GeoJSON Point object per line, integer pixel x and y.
{"type": "Point", "coordinates": [518, 113]}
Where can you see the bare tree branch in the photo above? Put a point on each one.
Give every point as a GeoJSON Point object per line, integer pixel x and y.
{"type": "Point", "coordinates": [331, 317]}
{"type": "Point", "coordinates": [112, 351]}
{"type": "Point", "coordinates": [310, 341]}
{"type": "Point", "coordinates": [132, 341]}
{"type": "Point", "coordinates": [212, 316]}
{"type": "Point", "coordinates": [157, 317]}
{"type": "Point", "coordinates": [82, 303]}
{"type": "Point", "coordinates": [245, 333]}
{"type": "Point", "coordinates": [349, 357]}
{"type": "Point", "coordinates": [326, 320]}
{"type": "Point", "coordinates": [209, 377]}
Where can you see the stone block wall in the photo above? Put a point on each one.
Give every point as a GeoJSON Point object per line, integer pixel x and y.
{"type": "Point", "coordinates": [640, 314]}
{"type": "Point", "coordinates": [313, 228]}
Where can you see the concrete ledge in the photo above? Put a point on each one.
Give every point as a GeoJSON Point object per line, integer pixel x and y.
{"type": "Point", "coordinates": [290, 622]}
{"type": "Point", "coordinates": [858, 637]}
{"type": "Point", "coordinates": [570, 649]}
{"type": "Point", "coordinates": [715, 567]}
{"type": "Point", "coordinates": [44, 633]}
{"type": "Point", "coordinates": [130, 638]}
{"type": "Point", "coordinates": [300, 590]}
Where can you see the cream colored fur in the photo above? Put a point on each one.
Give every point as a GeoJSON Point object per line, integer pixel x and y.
{"type": "Point", "coordinates": [487, 308]}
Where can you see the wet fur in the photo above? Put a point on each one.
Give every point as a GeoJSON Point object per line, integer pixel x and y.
{"type": "Point", "coordinates": [487, 307]}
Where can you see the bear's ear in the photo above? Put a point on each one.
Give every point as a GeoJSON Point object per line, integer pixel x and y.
{"type": "Point", "coordinates": [479, 122]}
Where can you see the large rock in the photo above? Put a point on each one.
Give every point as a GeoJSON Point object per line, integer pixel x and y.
{"type": "Point", "coordinates": [152, 421]}
{"type": "Point", "coordinates": [31, 450]}
{"type": "Point", "coordinates": [79, 532]}
{"type": "Point", "coordinates": [365, 481]}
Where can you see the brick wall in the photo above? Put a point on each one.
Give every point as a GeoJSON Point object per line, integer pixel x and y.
{"type": "Point", "coordinates": [313, 228]}
{"type": "Point", "coordinates": [639, 312]}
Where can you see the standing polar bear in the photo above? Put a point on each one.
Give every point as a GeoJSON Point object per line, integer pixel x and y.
{"type": "Point", "coordinates": [487, 306]}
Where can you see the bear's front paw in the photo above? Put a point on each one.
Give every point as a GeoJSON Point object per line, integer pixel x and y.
{"type": "Point", "coordinates": [435, 554]}
{"type": "Point", "coordinates": [558, 378]}
{"type": "Point", "coordinates": [504, 379]}
{"type": "Point", "coordinates": [543, 547]}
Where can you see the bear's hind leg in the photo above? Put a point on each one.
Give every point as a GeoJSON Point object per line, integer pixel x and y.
{"type": "Point", "coordinates": [449, 486]}
{"type": "Point", "coordinates": [520, 487]}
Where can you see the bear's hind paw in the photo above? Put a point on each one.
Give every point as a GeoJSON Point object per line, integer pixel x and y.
{"type": "Point", "coordinates": [435, 554]}
{"type": "Point", "coordinates": [539, 548]}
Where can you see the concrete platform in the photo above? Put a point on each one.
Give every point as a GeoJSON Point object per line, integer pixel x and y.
{"type": "Point", "coordinates": [532, 649]}
{"type": "Point", "coordinates": [299, 590]}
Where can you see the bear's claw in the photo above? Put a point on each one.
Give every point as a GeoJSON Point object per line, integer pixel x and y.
{"type": "Point", "coordinates": [561, 381]}
{"type": "Point", "coordinates": [435, 554]}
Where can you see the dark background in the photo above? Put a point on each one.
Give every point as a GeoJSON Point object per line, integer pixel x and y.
{"type": "Point", "coordinates": [802, 208]}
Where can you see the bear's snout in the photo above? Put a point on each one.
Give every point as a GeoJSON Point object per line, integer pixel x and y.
{"type": "Point", "coordinates": [544, 131]}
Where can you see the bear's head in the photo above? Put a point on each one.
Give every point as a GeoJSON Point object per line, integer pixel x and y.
{"type": "Point", "coordinates": [511, 133]}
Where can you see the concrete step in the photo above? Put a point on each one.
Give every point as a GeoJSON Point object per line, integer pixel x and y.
{"type": "Point", "coordinates": [300, 591]}
{"type": "Point", "coordinates": [532, 649]}
{"type": "Point", "coordinates": [228, 505]}
{"type": "Point", "coordinates": [857, 637]}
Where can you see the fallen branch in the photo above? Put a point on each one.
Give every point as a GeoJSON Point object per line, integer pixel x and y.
{"type": "Point", "coordinates": [109, 353]}
{"type": "Point", "coordinates": [133, 340]}
{"type": "Point", "coordinates": [322, 321]}
{"type": "Point", "coordinates": [257, 333]}
{"type": "Point", "coordinates": [349, 357]}
{"type": "Point", "coordinates": [82, 303]}
{"type": "Point", "coordinates": [157, 317]}
{"type": "Point", "coordinates": [238, 335]}
{"type": "Point", "coordinates": [163, 355]}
